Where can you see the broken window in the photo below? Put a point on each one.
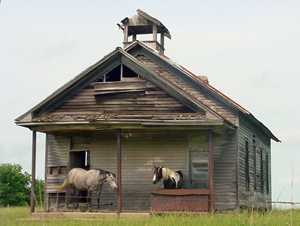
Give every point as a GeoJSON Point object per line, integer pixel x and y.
{"type": "Point", "coordinates": [119, 73]}
{"type": "Point", "coordinates": [128, 74]}
{"type": "Point", "coordinates": [114, 75]}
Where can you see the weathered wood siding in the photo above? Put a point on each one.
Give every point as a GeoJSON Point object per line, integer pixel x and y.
{"type": "Point", "coordinates": [140, 152]}
{"type": "Point", "coordinates": [58, 147]}
{"type": "Point", "coordinates": [146, 99]}
{"type": "Point", "coordinates": [253, 198]}
{"type": "Point", "coordinates": [225, 151]}
{"type": "Point", "coordinates": [181, 81]}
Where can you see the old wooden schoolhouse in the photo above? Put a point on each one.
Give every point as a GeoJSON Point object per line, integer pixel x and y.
{"type": "Point", "coordinates": [136, 108]}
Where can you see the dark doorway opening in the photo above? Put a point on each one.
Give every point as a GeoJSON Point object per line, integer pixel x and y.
{"type": "Point", "coordinates": [80, 159]}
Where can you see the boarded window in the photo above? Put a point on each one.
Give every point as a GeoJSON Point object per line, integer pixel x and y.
{"type": "Point", "coordinates": [247, 169]}
{"type": "Point", "coordinates": [198, 164]}
{"type": "Point", "coordinates": [80, 159]}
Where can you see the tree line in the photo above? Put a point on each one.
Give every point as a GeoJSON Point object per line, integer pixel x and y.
{"type": "Point", "coordinates": [15, 186]}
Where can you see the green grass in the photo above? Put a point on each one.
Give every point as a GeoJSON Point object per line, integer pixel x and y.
{"type": "Point", "coordinates": [21, 217]}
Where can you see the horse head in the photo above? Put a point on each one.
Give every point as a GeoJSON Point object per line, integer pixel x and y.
{"type": "Point", "coordinates": [157, 174]}
{"type": "Point", "coordinates": [111, 179]}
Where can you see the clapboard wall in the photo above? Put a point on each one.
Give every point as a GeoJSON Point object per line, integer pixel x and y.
{"type": "Point", "coordinates": [225, 151]}
{"type": "Point", "coordinates": [141, 151]}
{"type": "Point", "coordinates": [254, 198]}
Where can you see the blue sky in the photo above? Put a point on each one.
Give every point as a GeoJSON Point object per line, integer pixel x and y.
{"type": "Point", "coordinates": [249, 50]}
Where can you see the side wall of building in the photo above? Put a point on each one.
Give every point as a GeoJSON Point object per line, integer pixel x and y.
{"type": "Point", "coordinates": [225, 151]}
{"type": "Point", "coordinates": [251, 196]}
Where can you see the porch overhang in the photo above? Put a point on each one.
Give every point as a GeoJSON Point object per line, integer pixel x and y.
{"type": "Point", "coordinates": [125, 124]}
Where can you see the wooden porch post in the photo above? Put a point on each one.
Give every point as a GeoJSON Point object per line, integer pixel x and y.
{"type": "Point", "coordinates": [119, 172]}
{"type": "Point", "coordinates": [32, 194]}
{"type": "Point", "coordinates": [210, 172]}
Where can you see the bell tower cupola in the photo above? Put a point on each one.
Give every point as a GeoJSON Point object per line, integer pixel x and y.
{"type": "Point", "coordinates": [144, 24]}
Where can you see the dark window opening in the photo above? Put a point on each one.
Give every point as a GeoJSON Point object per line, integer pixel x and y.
{"type": "Point", "coordinates": [247, 170]}
{"type": "Point", "coordinates": [254, 163]}
{"type": "Point", "coordinates": [80, 159]}
{"type": "Point", "coordinates": [100, 79]}
{"type": "Point", "coordinates": [128, 73]}
{"type": "Point", "coordinates": [267, 174]}
{"type": "Point", "coordinates": [114, 75]}
{"type": "Point", "coordinates": [261, 171]}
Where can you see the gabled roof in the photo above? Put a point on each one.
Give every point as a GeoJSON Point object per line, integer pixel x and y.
{"type": "Point", "coordinates": [127, 59]}
{"type": "Point", "coordinates": [185, 92]}
{"type": "Point", "coordinates": [195, 79]}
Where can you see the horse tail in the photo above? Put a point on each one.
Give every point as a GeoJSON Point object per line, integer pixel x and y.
{"type": "Point", "coordinates": [180, 182]}
{"type": "Point", "coordinates": [64, 185]}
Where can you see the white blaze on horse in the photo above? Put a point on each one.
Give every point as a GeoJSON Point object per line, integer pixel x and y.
{"type": "Point", "coordinates": [171, 179]}
{"type": "Point", "coordinates": [89, 180]}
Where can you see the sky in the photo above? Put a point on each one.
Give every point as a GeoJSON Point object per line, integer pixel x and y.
{"type": "Point", "coordinates": [249, 50]}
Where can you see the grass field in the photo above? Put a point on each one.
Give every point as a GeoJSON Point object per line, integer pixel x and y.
{"type": "Point", "coordinates": [21, 217]}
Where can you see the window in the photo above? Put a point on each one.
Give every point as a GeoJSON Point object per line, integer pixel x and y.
{"type": "Point", "coordinates": [198, 162]}
{"type": "Point", "coordinates": [80, 159]}
{"type": "Point", "coordinates": [267, 174]}
{"type": "Point", "coordinates": [254, 162]}
{"type": "Point", "coordinates": [114, 75]}
{"type": "Point", "coordinates": [261, 171]}
{"type": "Point", "coordinates": [119, 73]}
{"type": "Point", "coordinates": [199, 169]}
{"type": "Point", "coordinates": [128, 74]}
{"type": "Point", "coordinates": [247, 170]}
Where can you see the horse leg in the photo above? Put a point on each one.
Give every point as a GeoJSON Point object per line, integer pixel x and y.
{"type": "Point", "coordinates": [89, 199]}
{"type": "Point", "coordinates": [77, 198]}
{"type": "Point", "coordinates": [99, 195]}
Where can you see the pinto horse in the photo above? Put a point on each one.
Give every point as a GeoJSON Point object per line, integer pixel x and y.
{"type": "Point", "coordinates": [89, 180]}
{"type": "Point", "coordinates": [171, 179]}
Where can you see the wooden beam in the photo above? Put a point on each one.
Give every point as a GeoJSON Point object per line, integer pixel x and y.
{"type": "Point", "coordinates": [119, 171]}
{"type": "Point", "coordinates": [46, 204]}
{"type": "Point", "coordinates": [162, 43]}
{"type": "Point", "coordinates": [133, 37]}
{"type": "Point", "coordinates": [154, 30]}
{"type": "Point", "coordinates": [32, 194]}
{"type": "Point", "coordinates": [210, 171]}
{"type": "Point", "coordinates": [125, 34]}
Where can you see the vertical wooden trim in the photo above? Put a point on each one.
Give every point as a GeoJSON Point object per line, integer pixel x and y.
{"type": "Point", "coordinates": [125, 34]}
{"type": "Point", "coordinates": [121, 72]}
{"type": "Point", "coordinates": [119, 171]}
{"type": "Point", "coordinates": [133, 37]}
{"type": "Point", "coordinates": [154, 30]}
{"type": "Point", "coordinates": [162, 42]}
{"type": "Point", "coordinates": [46, 206]}
{"type": "Point", "coordinates": [210, 172]}
{"type": "Point", "coordinates": [33, 162]}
